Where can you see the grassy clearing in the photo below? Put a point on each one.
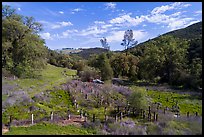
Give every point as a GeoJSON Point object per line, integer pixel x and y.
{"type": "Point", "coordinates": [50, 77]}
{"type": "Point", "coordinates": [186, 102]}
{"type": "Point", "coordinates": [50, 129]}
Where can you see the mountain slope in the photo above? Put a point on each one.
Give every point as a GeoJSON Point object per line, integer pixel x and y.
{"type": "Point", "coordinates": [193, 33]}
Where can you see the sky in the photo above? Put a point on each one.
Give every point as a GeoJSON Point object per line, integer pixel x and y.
{"type": "Point", "coordinates": [83, 24]}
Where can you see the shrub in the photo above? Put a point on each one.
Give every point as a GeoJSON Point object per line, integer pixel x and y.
{"type": "Point", "coordinates": [138, 99]}
{"type": "Point", "coordinates": [88, 73]}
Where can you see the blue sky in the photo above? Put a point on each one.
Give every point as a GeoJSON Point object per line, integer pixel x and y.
{"type": "Point", "coordinates": [83, 24]}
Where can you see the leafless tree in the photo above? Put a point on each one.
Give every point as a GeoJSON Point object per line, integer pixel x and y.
{"type": "Point", "coordinates": [104, 43]}
{"type": "Point", "coordinates": [128, 40]}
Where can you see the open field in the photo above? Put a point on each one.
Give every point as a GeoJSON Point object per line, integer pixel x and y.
{"type": "Point", "coordinates": [50, 129]}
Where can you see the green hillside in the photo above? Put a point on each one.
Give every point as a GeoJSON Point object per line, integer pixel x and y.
{"type": "Point", "coordinates": [85, 53]}
{"type": "Point", "coordinates": [192, 33]}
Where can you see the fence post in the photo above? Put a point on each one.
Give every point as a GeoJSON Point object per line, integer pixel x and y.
{"type": "Point", "coordinates": [85, 117]}
{"type": "Point", "coordinates": [149, 109]}
{"type": "Point", "coordinates": [196, 113]}
{"type": "Point", "coordinates": [86, 96]}
{"type": "Point", "coordinates": [10, 119]}
{"type": "Point", "coordinates": [81, 113]}
{"type": "Point", "coordinates": [69, 116]}
{"type": "Point", "coordinates": [94, 117]}
{"type": "Point", "coordinates": [32, 119]}
{"type": "Point", "coordinates": [75, 102]}
{"type": "Point", "coordinates": [144, 114]}
{"type": "Point", "coordinates": [149, 116]}
{"type": "Point", "coordinates": [121, 115]}
{"type": "Point", "coordinates": [9, 124]}
{"type": "Point", "coordinates": [116, 118]}
{"type": "Point", "coordinates": [156, 117]}
{"type": "Point", "coordinates": [118, 109]}
{"type": "Point", "coordinates": [188, 114]}
{"type": "Point", "coordinates": [105, 117]}
{"type": "Point", "coordinates": [51, 116]}
{"type": "Point", "coordinates": [164, 110]}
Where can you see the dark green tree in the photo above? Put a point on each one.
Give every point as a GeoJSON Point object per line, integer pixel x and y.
{"type": "Point", "coordinates": [23, 51]}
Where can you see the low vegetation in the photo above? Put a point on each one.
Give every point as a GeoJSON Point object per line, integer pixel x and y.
{"type": "Point", "coordinates": [50, 129]}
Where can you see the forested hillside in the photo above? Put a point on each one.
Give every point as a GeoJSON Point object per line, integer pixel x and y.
{"type": "Point", "coordinates": [154, 50]}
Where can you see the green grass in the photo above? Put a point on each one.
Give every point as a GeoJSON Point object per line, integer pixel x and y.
{"type": "Point", "coordinates": [186, 102]}
{"type": "Point", "coordinates": [50, 129]}
{"type": "Point", "coordinates": [50, 77]}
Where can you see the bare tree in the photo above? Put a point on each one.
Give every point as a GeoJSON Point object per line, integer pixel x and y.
{"type": "Point", "coordinates": [104, 43]}
{"type": "Point", "coordinates": [128, 40]}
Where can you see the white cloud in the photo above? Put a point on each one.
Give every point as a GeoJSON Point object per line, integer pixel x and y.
{"type": "Point", "coordinates": [68, 33]}
{"type": "Point", "coordinates": [73, 11]}
{"type": "Point", "coordinates": [110, 5]}
{"type": "Point", "coordinates": [60, 25]}
{"type": "Point", "coordinates": [176, 14]}
{"type": "Point", "coordinates": [19, 9]}
{"type": "Point", "coordinates": [126, 20]}
{"type": "Point", "coordinates": [161, 9]}
{"type": "Point", "coordinates": [61, 12]}
{"type": "Point", "coordinates": [77, 9]}
{"type": "Point", "coordinates": [115, 36]}
{"type": "Point", "coordinates": [198, 12]}
{"type": "Point", "coordinates": [92, 30]}
{"type": "Point", "coordinates": [64, 24]}
{"type": "Point", "coordinates": [181, 23]}
{"type": "Point", "coordinates": [106, 26]}
{"type": "Point", "coordinates": [175, 5]}
{"type": "Point", "coordinates": [55, 25]}
{"type": "Point", "coordinates": [99, 22]}
{"type": "Point", "coordinates": [46, 36]}
{"type": "Point", "coordinates": [158, 18]}
{"type": "Point", "coordinates": [186, 5]}
{"type": "Point", "coordinates": [172, 21]}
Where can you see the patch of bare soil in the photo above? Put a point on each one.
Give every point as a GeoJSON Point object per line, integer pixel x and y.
{"type": "Point", "coordinates": [4, 129]}
{"type": "Point", "coordinates": [74, 120]}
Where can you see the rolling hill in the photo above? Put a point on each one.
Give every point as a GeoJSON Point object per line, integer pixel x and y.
{"type": "Point", "coordinates": [193, 33]}
{"type": "Point", "coordinates": [85, 53]}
